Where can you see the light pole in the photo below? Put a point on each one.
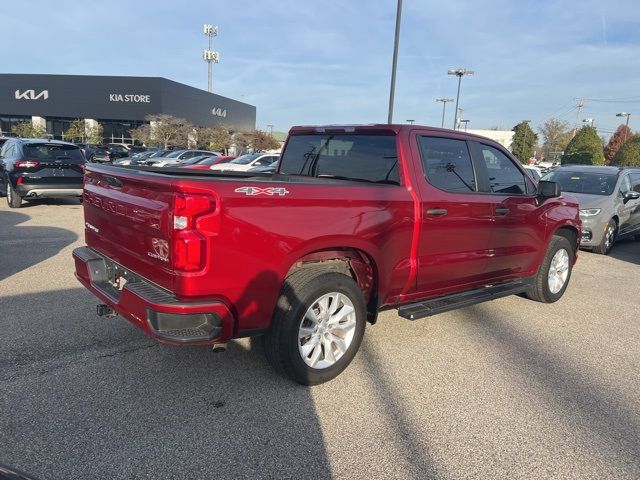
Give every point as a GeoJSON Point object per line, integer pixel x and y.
{"type": "Point", "coordinates": [410, 121]}
{"type": "Point", "coordinates": [270, 127]}
{"type": "Point", "coordinates": [589, 121]}
{"type": "Point", "coordinates": [465, 124]}
{"type": "Point", "coordinates": [209, 55]}
{"type": "Point", "coordinates": [395, 62]}
{"type": "Point", "coordinates": [458, 72]}
{"type": "Point", "coordinates": [625, 114]}
{"type": "Point", "coordinates": [444, 106]}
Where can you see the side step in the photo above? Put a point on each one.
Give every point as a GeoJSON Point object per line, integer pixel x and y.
{"type": "Point", "coordinates": [426, 308]}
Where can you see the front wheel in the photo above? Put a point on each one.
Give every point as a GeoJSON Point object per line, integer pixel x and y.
{"type": "Point", "coordinates": [608, 239]}
{"type": "Point", "coordinates": [317, 327]}
{"type": "Point", "coordinates": [553, 275]}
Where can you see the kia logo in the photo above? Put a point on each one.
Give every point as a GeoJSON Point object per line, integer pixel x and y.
{"type": "Point", "coordinates": [219, 112]}
{"type": "Point", "coordinates": [31, 95]}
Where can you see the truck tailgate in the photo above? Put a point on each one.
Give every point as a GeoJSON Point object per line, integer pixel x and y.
{"type": "Point", "coordinates": [128, 218]}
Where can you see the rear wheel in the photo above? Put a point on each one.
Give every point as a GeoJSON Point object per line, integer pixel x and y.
{"type": "Point", "coordinates": [608, 239]}
{"type": "Point", "coordinates": [553, 275]}
{"type": "Point", "coordinates": [13, 199]}
{"type": "Point", "coordinates": [317, 327]}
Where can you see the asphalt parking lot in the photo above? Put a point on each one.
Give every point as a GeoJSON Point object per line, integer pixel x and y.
{"type": "Point", "coordinates": [507, 389]}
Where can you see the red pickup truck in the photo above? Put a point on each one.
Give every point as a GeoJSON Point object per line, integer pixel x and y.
{"type": "Point", "coordinates": [356, 219]}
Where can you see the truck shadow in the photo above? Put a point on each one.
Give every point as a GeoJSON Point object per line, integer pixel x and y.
{"type": "Point", "coordinates": [588, 404]}
{"type": "Point", "coordinates": [23, 246]}
{"type": "Point", "coordinates": [142, 409]}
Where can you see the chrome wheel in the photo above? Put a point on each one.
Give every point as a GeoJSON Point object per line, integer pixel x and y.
{"type": "Point", "coordinates": [609, 237]}
{"type": "Point", "coordinates": [9, 193]}
{"type": "Point", "coordinates": [327, 330]}
{"type": "Point", "coordinates": [558, 271]}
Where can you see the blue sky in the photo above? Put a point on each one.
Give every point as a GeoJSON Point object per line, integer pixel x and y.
{"type": "Point", "coordinates": [303, 62]}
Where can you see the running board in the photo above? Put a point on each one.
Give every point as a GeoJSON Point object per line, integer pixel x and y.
{"type": "Point", "coordinates": [415, 311]}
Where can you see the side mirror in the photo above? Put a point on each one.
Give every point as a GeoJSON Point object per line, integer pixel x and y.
{"type": "Point", "coordinates": [547, 190]}
{"type": "Point", "coordinates": [630, 196]}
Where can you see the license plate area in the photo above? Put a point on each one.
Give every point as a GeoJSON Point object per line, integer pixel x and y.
{"type": "Point", "coordinates": [117, 275]}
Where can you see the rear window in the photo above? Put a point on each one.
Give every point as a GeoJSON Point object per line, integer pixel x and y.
{"type": "Point", "coordinates": [371, 158]}
{"type": "Point", "coordinates": [46, 151]}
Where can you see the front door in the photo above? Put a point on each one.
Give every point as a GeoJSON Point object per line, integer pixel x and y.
{"type": "Point", "coordinates": [453, 250]}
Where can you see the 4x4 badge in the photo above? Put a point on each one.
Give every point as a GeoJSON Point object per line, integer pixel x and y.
{"type": "Point", "coordinates": [281, 191]}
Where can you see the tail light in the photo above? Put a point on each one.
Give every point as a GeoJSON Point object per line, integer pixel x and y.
{"type": "Point", "coordinates": [193, 221]}
{"type": "Point", "coordinates": [27, 164]}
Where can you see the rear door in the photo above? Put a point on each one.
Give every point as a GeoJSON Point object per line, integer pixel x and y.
{"type": "Point", "coordinates": [453, 251]}
{"type": "Point", "coordinates": [517, 233]}
{"type": "Point", "coordinates": [635, 212]}
{"type": "Point", "coordinates": [56, 164]}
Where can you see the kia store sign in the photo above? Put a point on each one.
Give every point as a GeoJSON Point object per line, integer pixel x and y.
{"type": "Point", "coordinates": [118, 98]}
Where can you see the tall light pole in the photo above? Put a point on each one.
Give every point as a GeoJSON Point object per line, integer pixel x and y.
{"type": "Point", "coordinates": [209, 55]}
{"type": "Point", "coordinates": [458, 72]}
{"type": "Point", "coordinates": [624, 114]}
{"type": "Point", "coordinates": [270, 127]}
{"type": "Point", "coordinates": [465, 124]}
{"type": "Point", "coordinates": [395, 62]}
{"type": "Point", "coordinates": [444, 106]}
{"type": "Point", "coordinates": [410, 121]}
{"type": "Point", "coordinates": [589, 121]}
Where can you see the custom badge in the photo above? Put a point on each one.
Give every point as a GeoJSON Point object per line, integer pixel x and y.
{"type": "Point", "coordinates": [270, 191]}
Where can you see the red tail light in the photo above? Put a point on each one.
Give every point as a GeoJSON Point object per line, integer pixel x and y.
{"type": "Point", "coordinates": [191, 225]}
{"type": "Point", "coordinates": [27, 164]}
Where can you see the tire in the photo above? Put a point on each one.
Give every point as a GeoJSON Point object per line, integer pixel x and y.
{"type": "Point", "coordinates": [608, 239]}
{"type": "Point", "coordinates": [13, 199]}
{"type": "Point", "coordinates": [293, 332]}
{"type": "Point", "coordinates": [544, 289]}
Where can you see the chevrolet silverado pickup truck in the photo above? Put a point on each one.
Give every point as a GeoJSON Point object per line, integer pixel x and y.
{"type": "Point", "coordinates": [356, 219]}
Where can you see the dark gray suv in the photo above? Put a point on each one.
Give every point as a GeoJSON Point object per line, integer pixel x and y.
{"type": "Point", "coordinates": [609, 199]}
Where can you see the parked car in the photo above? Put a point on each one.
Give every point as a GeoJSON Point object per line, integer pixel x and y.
{"type": "Point", "coordinates": [204, 163]}
{"type": "Point", "coordinates": [357, 219]}
{"type": "Point", "coordinates": [100, 154]}
{"type": "Point", "coordinates": [609, 199]}
{"type": "Point", "coordinates": [245, 162]}
{"type": "Point", "coordinates": [37, 168]}
{"type": "Point", "coordinates": [118, 150]}
{"type": "Point", "coordinates": [536, 172]}
{"type": "Point", "coordinates": [271, 168]}
{"type": "Point", "coordinates": [176, 157]}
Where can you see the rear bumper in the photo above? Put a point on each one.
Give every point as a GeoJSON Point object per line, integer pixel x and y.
{"type": "Point", "coordinates": [153, 309]}
{"type": "Point", "coordinates": [42, 191]}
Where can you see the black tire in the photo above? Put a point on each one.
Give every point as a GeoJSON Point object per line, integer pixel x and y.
{"type": "Point", "coordinates": [298, 294]}
{"type": "Point", "coordinates": [608, 239]}
{"type": "Point", "coordinates": [13, 199]}
{"type": "Point", "coordinates": [540, 291]}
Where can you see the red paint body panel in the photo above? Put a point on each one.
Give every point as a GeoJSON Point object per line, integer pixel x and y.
{"type": "Point", "coordinates": [251, 242]}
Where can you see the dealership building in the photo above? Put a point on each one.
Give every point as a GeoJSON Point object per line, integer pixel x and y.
{"type": "Point", "coordinates": [119, 104]}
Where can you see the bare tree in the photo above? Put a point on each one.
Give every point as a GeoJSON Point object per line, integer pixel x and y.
{"type": "Point", "coordinates": [556, 135]}
{"type": "Point", "coordinates": [169, 130]}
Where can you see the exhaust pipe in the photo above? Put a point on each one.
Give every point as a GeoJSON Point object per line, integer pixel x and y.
{"type": "Point", "coordinates": [105, 311]}
{"type": "Point", "coordinates": [219, 347]}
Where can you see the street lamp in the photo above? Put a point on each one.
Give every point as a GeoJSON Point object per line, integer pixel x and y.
{"type": "Point", "coordinates": [625, 114]}
{"type": "Point", "coordinates": [465, 124]}
{"type": "Point", "coordinates": [589, 121]}
{"type": "Point", "coordinates": [410, 121]}
{"type": "Point", "coordinates": [458, 72]}
{"type": "Point", "coordinates": [270, 127]}
{"type": "Point", "coordinates": [395, 62]}
{"type": "Point", "coordinates": [444, 106]}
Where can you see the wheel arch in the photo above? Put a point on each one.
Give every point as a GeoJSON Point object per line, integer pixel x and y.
{"type": "Point", "coordinates": [571, 234]}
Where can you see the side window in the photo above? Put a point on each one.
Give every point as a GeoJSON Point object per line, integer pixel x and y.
{"type": "Point", "coordinates": [504, 176]}
{"type": "Point", "coordinates": [447, 164]}
{"type": "Point", "coordinates": [635, 182]}
{"type": "Point", "coordinates": [9, 149]}
{"type": "Point", "coordinates": [625, 185]}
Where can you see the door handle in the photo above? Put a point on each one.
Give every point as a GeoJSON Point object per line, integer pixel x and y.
{"type": "Point", "coordinates": [436, 212]}
{"type": "Point", "coordinates": [502, 211]}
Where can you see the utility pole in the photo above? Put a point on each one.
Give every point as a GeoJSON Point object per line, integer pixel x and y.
{"type": "Point", "coordinates": [270, 127]}
{"type": "Point", "coordinates": [444, 106]}
{"type": "Point", "coordinates": [581, 102]}
{"type": "Point", "coordinates": [624, 114]}
{"type": "Point", "coordinates": [410, 121]}
{"type": "Point", "coordinates": [209, 55]}
{"type": "Point", "coordinates": [395, 62]}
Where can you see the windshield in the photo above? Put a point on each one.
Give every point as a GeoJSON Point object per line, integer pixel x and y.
{"type": "Point", "coordinates": [174, 154]}
{"type": "Point", "coordinates": [245, 159]}
{"type": "Point", "coordinates": [193, 160]}
{"type": "Point", "coordinates": [581, 182]}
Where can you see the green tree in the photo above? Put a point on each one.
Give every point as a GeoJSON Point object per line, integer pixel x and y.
{"type": "Point", "coordinates": [28, 130]}
{"type": "Point", "coordinates": [621, 135]}
{"type": "Point", "coordinates": [93, 133]}
{"type": "Point", "coordinates": [169, 130]}
{"type": "Point", "coordinates": [263, 141]}
{"type": "Point", "coordinates": [523, 141]}
{"type": "Point", "coordinates": [215, 138]}
{"type": "Point", "coordinates": [76, 131]}
{"type": "Point", "coordinates": [585, 148]}
{"type": "Point", "coordinates": [629, 154]}
{"type": "Point", "coordinates": [242, 140]}
{"type": "Point", "coordinates": [556, 135]}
